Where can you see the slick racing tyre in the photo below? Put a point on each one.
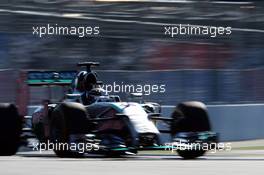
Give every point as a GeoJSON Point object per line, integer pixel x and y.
{"type": "Point", "coordinates": [190, 117]}
{"type": "Point", "coordinates": [67, 119]}
{"type": "Point", "coordinates": [10, 129]}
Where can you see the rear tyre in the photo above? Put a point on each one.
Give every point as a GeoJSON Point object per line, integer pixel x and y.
{"type": "Point", "coordinates": [191, 154]}
{"type": "Point", "coordinates": [190, 117]}
{"type": "Point", "coordinates": [66, 119]}
{"type": "Point", "coordinates": [10, 129]}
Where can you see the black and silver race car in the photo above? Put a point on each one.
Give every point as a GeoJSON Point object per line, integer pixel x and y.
{"type": "Point", "coordinates": [103, 124]}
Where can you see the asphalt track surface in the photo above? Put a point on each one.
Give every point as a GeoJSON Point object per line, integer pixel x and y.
{"type": "Point", "coordinates": [224, 163]}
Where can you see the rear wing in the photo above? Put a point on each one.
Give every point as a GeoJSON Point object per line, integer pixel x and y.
{"type": "Point", "coordinates": [46, 78]}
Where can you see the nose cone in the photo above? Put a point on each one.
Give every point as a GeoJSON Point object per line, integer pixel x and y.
{"type": "Point", "coordinates": [139, 119]}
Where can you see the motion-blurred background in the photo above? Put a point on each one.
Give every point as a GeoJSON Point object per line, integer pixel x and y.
{"type": "Point", "coordinates": [221, 70]}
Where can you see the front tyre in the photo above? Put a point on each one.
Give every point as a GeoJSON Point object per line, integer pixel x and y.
{"type": "Point", "coordinates": [66, 119]}
{"type": "Point", "coordinates": [190, 117]}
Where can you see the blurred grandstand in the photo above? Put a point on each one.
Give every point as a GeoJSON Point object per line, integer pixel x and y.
{"type": "Point", "coordinates": [215, 70]}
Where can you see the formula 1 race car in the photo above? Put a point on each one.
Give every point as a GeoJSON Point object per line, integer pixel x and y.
{"type": "Point", "coordinates": [89, 120]}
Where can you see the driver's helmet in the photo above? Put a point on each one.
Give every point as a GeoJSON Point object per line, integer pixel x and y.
{"type": "Point", "coordinates": [97, 95]}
